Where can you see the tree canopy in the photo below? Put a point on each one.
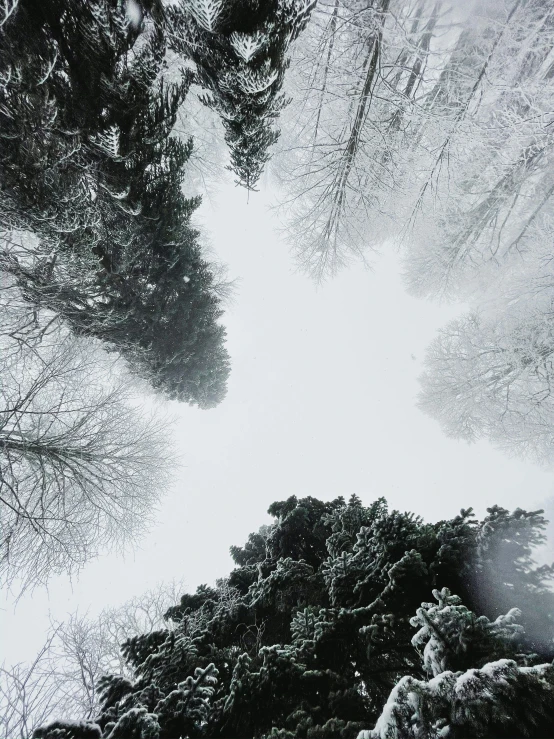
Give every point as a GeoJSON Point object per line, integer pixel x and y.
{"type": "Point", "coordinates": [317, 624]}
{"type": "Point", "coordinates": [89, 166]}
{"type": "Point", "coordinates": [239, 48]}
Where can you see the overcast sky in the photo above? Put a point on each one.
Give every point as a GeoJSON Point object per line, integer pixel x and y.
{"type": "Point", "coordinates": [321, 402]}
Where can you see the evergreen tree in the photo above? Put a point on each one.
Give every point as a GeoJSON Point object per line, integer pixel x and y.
{"type": "Point", "coordinates": [314, 627]}
{"type": "Point", "coordinates": [68, 730]}
{"type": "Point", "coordinates": [239, 48]}
{"type": "Point", "coordinates": [503, 693]}
{"type": "Point", "coordinates": [90, 167]}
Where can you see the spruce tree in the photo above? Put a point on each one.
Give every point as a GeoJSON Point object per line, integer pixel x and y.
{"type": "Point", "coordinates": [68, 730]}
{"type": "Point", "coordinates": [90, 167]}
{"type": "Point", "coordinates": [239, 48]}
{"type": "Point", "coordinates": [479, 684]}
{"type": "Point", "coordinates": [313, 631]}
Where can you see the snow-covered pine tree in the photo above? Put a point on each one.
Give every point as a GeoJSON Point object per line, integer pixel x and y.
{"type": "Point", "coordinates": [505, 693]}
{"type": "Point", "coordinates": [207, 13]}
{"type": "Point", "coordinates": [240, 50]}
{"type": "Point", "coordinates": [311, 631]}
{"type": "Point", "coordinates": [451, 637]}
{"type": "Point", "coordinates": [136, 723]}
{"type": "Point", "coordinates": [69, 730]}
{"type": "Point", "coordinates": [88, 165]}
{"type": "Point", "coordinates": [186, 709]}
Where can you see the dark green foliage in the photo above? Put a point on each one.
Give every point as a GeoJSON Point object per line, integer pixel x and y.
{"type": "Point", "coordinates": [89, 166]}
{"type": "Point", "coordinates": [68, 730]}
{"type": "Point", "coordinates": [313, 629]}
{"type": "Point", "coordinates": [136, 723]}
{"type": "Point", "coordinates": [479, 686]}
{"type": "Point", "coordinates": [451, 637]}
{"type": "Point", "coordinates": [240, 47]}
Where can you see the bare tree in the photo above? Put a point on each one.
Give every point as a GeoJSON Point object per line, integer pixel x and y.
{"type": "Point", "coordinates": [206, 166]}
{"type": "Point", "coordinates": [482, 230]}
{"type": "Point", "coordinates": [357, 80]}
{"type": "Point", "coordinates": [22, 322]}
{"type": "Point", "coordinates": [7, 7]}
{"type": "Point", "coordinates": [87, 647]}
{"type": "Point", "coordinates": [425, 121]}
{"type": "Point", "coordinates": [61, 681]}
{"type": "Point", "coordinates": [139, 615]}
{"type": "Point", "coordinates": [27, 694]}
{"type": "Point", "coordinates": [490, 139]}
{"type": "Point", "coordinates": [81, 466]}
{"type": "Point", "coordinates": [491, 376]}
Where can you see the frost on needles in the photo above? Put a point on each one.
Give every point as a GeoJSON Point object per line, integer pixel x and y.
{"type": "Point", "coordinates": [92, 171]}
{"type": "Point", "coordinates": [323, 629]}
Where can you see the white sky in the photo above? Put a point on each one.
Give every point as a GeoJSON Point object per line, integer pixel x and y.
{"type": "Point", "coordinates": [321, 402]}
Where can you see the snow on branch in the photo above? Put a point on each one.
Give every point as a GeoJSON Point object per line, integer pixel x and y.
{"type": "Point", "coordinates": [246, 45]}
{"type": "Point", "coordinates": [205, 12]}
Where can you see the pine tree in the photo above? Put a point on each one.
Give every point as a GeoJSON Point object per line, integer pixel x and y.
{"type": "Point", "coordinates": [68, 730]}
{"type": "Point", "coordinates": [314, 629]}
{"type": "Point", "coordinates": [136, 723]}
{"type": "Point", "coordinates": [186, 709]}
{"type": "Point", "coordinates": [503, 694]}
{"type": "Point", "coordinates": [90, 167]}
{"type": "Point", "coordinates": [239, 48]}
{"type": "Point", "coordinates": [503, 556]}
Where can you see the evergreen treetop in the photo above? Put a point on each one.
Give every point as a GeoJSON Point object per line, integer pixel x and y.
{"type": "Point", "coordinates": [315, 626]}
{"type": "Point", "coordinates": [239, 48]}
{"type": "Point", "coordinates": [90, 167]}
